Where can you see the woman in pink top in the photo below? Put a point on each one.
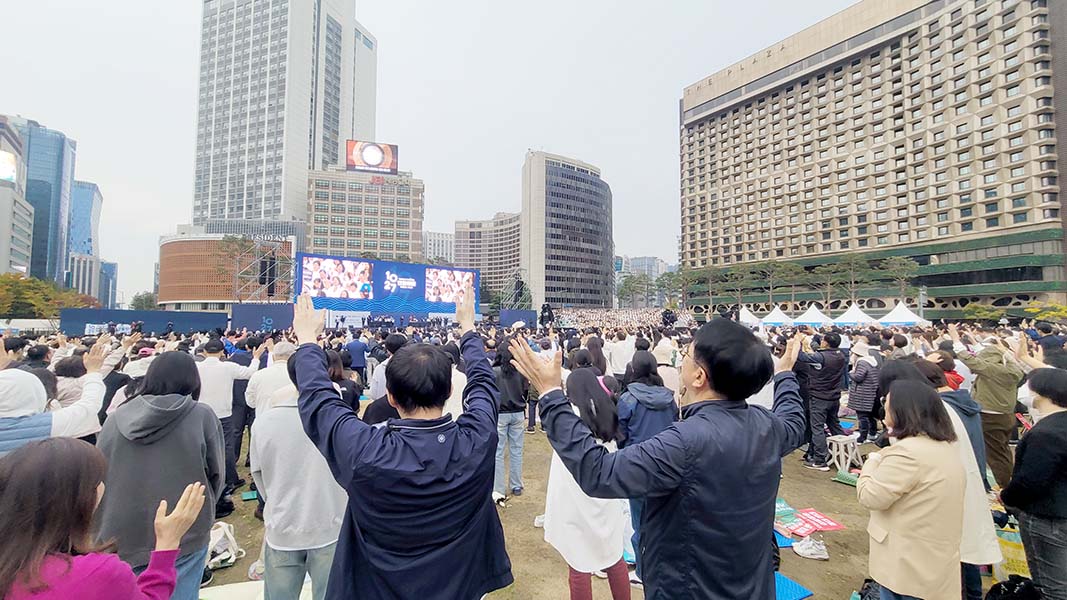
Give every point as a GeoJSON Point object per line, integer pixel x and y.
{"type": "Point", "coordinates": [49, 491]}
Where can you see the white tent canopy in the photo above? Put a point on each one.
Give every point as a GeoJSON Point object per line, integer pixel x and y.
{"type": "Point", "coordinates": [813, 316]}
{"type": "Point", "coordinates": [854, 316]}
{"type": "Point", "coordinates": [902, 315]}
{"type": "Point", "coordinates": [777, 318]}
{"type": "Point", "coordinates": [747, 318]}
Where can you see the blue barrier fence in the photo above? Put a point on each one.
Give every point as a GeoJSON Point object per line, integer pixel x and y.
{"type": "Point", "coordinates": [72, 321]}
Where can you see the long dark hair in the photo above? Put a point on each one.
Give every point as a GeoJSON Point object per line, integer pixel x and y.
{"type": "Point", "coordinates": [645, 369]}
{"type": "Point", "coordinates": [596, 407]}
{"type": "Point", "coordinates": [595, 345]}
{"type": "Point", "coordinates": [171, 373]}
{"type": "Point", "coordinates": [917, 409]}
{"type": "Point", "coordinates": [71, 366]}
{"type": "Point", "coordinates": [47, 501]}
{"type": "Point", "coordinates": [334, 368]}
{"type": "Point", "coordinates": [504, 356]}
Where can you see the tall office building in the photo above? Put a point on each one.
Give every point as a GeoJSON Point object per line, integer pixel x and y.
{"type": "Point", "coordinates": [566, 247]}
{"type": "Point", "coordinates": [84, 274]}
{"type": "Point", "coordinates": [366, 84]}
{"type": "Point", "coordinates": [491, 246]}
{"type": "Point", "coordinates": [49, 156]}
{"type": "Point", "coordinates": [920, 128]}
{"type": "Point", "coordinates": [439, 247]}
{"type": "Point", "coordinates": [352, 213]}
{"type": "Point", "coordinates": [85, 205]}
{"type": "Point", "coordinates": [279, 82]}
{"type": "Point", "coordinates": [109, 282]}
{"type": "Point", "coordinates": [16, 214]}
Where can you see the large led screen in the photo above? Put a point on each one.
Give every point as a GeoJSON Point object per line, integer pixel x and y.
{"type": "Point", "coordinates": [371, 157]}
{"type": "Point", "coordinates": [384, 287]}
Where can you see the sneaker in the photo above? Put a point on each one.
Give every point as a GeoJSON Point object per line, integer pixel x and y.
{"type": "Point", "coordinates": [500, 499]}
{"type": "Point", "coordinates": [635, 581]}
{"type": "Point", "coordinates": [224, 508]}
{"type": "Point", "coordinates": [516, 491]}
{"type": "Point", "coordinates": [814, 466]}
{"type": "Point", "coordinates": [531, 430]}
{"type": "Point", "coordinates": [600, 574]}
{"type": "Point", "coordinates": [539, 521]}
{"type": "Point", "coordinates": [812, 548]}
{"type": "Point", "coordinates": [872, 439]}
{"type": "Point", "coordinates": [206, 578]}
{"type": "Point", "coordinates": [256, 570]}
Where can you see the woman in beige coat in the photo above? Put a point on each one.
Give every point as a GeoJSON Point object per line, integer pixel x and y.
{"type": "Point", "coordinates": [914, 490]}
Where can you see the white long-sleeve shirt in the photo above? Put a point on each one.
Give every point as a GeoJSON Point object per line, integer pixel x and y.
{"type": "Point", "coordinates": [377, 381]}
{"type": "Point", "coordinates": [216, 382]}
{"type": "Point", "coordinates": [264, 383]}
{"type": "Point", "coordinates": [80, 419]}
{"type": "Point", "coordinates": [304, 503]}
{"type": "Point", "coordinates": [620, 354]}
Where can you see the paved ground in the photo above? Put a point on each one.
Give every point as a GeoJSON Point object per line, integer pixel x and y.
{"type": "Point", "coordinates": [540, 573]}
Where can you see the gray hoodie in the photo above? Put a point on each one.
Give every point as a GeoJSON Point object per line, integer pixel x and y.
{"type": "Point", "coordinates": [155, 446]}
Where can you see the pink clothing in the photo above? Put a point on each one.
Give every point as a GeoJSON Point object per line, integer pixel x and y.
{"type": "Point", "coordinates": [100, 576]}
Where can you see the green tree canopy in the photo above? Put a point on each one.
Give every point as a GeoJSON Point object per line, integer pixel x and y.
{"type": "Point", "coordinates": [24, 297]}
{"type": "Point", "coordinates": [144, 301]}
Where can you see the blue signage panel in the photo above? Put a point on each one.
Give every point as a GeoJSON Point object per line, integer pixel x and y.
{"type": "Point", "coordinates": [384, 287]}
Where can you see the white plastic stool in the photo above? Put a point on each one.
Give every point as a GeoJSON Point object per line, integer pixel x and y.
{"type": "Point", "coordinates": [843, 451]}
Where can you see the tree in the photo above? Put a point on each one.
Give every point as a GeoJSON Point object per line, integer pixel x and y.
{"type": "Point", "coordinates": [826, 279]}
{"type": "Point", "coordinates": [736, 281]}
{"type": "Point", "coordinates": [633, 285]}
{"type": "Point", "coordinates": [370, 255]}
{"type": "Point", "coordinates": [900, 270]}
{"type": "Point", "coordinates": [438, 261]}
{"type": "Point", "coordinates": [855, 272]}
{"type": "Point", "coordinates": [407, 258]}
{"type": "Point", "coordinates": [24, 297]}
{"type": "Point", "coordinates": [669, 284]}
{"type": "Point", "coordinates": [774, 274]}
{"type": "Point", "coordinates": [144, 301]}
{"type": "Point", "coordinates": [232, 247]}
{"type": "Point", "coordinates": [1046, 311]}
{"type": "Point", "coordinates": [983, 312]}
{"type": "Point", "coordinates": [686, 280]}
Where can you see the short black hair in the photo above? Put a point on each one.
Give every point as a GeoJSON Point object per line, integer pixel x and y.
{"type": "Point", "coordinates": [213, 346]}
{"type": "Point", "coordinates": [37, 352]}
{"type": "Point", "coordinates": [898, 370]}
{"type": "Point", "coordinates": [394, 342]}
{"type": "Point", "coordinates": [1050, 383]}
{"type": "Point", "coordinates": [833, 340]}
{"type": "Point", "coordinates": [171, 373]}
{"type": "Point", "coordinates": [15, 344]}
{"type": "Point", "coordinates": [1045, 328]}
{"type": "Point", "coordinates": [253, 342]}
{"type": "Point", "coordinates": [737, 363]}
{"type": "Point", "coordinates": [900, 341]}
{"type": "Point", "coordinates": [419, 376]}
{"type": "Point", "coordinates": [642, 344]}
{"type": "Point", "coordinates": [917, 409]}
{"type": "Point", "coordinates": [72, 366]}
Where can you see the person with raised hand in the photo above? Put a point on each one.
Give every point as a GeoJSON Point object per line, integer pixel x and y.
{"type": "Point", "coordinates": [420, 521]}
{"type": "Point", "coordinates": [49, 492]}
{"type": "Point", "coordinates": [23, 404]}
{"type": "Point", "coordinates": [722, 461]}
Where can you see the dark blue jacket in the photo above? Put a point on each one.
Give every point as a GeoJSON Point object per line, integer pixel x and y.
{"type": "Point", "coordinates": [358, 349]}
{"type": "Point", "coordinates": [420, 523]}
{"type": "Point", "coordinates": [710, 482]}
{"type": "Point", "coordinates": [645, 410]}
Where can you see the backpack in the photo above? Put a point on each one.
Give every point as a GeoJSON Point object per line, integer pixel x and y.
{"type": "Point", "coordinates": [1016, 587]}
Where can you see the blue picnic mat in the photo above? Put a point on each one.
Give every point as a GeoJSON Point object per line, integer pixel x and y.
{"type": "Point", "coordinates": [783, 541]}
{"type": "Point", "coordinates": [787, 589]}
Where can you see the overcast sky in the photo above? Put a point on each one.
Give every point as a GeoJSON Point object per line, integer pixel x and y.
{"type": "Point", "coordinates": [464, 87]}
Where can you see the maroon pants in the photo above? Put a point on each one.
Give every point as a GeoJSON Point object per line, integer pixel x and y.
{"type": "Point", "coordinates": [618, 578]}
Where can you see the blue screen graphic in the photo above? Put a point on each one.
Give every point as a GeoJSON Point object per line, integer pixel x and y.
{"type": "Point", "coordinates": [360, 284]}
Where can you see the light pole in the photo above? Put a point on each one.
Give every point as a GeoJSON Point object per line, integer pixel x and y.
{"type": "Point", "coordinates": [922, 301]}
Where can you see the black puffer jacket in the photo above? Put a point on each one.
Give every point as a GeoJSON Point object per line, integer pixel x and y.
{"type": "Point", "coordinates": [513, 389]}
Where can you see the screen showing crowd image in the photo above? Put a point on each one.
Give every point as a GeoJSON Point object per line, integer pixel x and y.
{"type": "Point", "coordinates": [446, 285]}
{"type": "Point", "coordinates": [337, 278]}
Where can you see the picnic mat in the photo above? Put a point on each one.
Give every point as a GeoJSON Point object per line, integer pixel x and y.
{"type": "Point", "coordinates": [787, 589]}
{"type": "Point", "coordinates": [783, 541]}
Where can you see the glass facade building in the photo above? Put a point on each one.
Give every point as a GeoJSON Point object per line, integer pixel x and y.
{"type": "Point", "coordinates": [109, 281]}
{"type": "Point", "coordinates": [85, 206]}
{"type": "Point", "coordinates": [567, 249]}
{"type": "Point", "coordinates": [50, 157]}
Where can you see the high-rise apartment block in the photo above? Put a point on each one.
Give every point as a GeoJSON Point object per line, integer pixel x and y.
{"type": "Point", "coordinates": [491, 246]}
{"type": "Point", "coordinates": [16, 214]}
{"type": "Point", "coordinates": [919, 128]}
{"type": "Point", "coordinates": [566, 229]}
{"type": "Point", "coordinates": [353, 213]}
{"type": "Point", "coordinates": [438, 247]}
{"type": "Point", "coordinates": [85, 205]}
{"type": "Point", "coordinates": [49, 157]}
{"type": "Point", "coordinates": [280, 86]}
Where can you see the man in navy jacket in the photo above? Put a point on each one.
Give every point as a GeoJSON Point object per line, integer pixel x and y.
{"type": "Point", "coordinates": [420, 523]}
{"type": "Point", "coordinates": [709, 480]}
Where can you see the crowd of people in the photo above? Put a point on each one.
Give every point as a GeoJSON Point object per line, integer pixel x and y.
{"type": "Point", "coordinates": [381, 458]}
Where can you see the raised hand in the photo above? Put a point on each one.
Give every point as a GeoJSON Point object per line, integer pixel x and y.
{"type": "Point", "coordinates": [543, 375]}
{"type": "Point", "coordinates": [465, 310]}
{"type": "Point", "coordinates": [170, 528]}
{"type": "Point", "coordinates": [94, 358]}
{"type": "Point", "coordinates": [131, 340]}
{"type": "Point", "coordinates": [308, 323]}
{"type": "Point", "coordinates": [789, 357]}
